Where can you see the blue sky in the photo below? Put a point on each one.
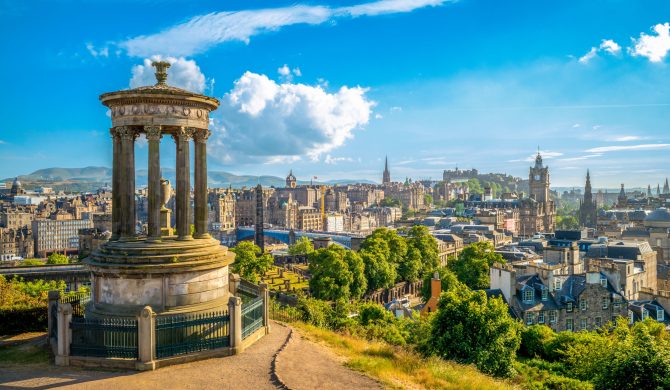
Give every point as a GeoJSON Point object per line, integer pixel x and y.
{"type": "Point", "coordinates": [329, 88]}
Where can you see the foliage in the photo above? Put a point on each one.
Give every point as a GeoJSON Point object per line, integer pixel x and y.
{"type": "Point", "coordinates": [390, 202]}
{"type": "Point", "coordinates": [250, 263]}
{"type": "Point", "coordinates": [474, 187]}
{"type": "Point", "coordinates": [30, 263]}
{"type": "Point", "coordinates": [448, 281]}
{"type": "Point", "coordinates": [428, 199]}
{"type": "Point", "coordinates": [16, 293]}
{"type": "Point", "coordinates": [533, 340]}
{"type": "Point", "coordinates": [472, 328]}
{"type": "Point", "coordinates": [330, 275]}
{"type": "Point", "coordinates": [420, 239]}
{"type": "Point", "coordinates": [356, 266]}
{"type": "Point", "coordinates": [567, 222]}
{"type": "Point", "coordinates": [303, 246]}
{"type": "Point", "coordinates": [473, 264]}
{"type": "Point", "coordinates": [57, 258]}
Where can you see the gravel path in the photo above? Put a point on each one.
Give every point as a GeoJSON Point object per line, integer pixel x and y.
{"type": "Point", "coordinates": [304, 365]}
{"type": "Point", "coordinates": [297, 364]}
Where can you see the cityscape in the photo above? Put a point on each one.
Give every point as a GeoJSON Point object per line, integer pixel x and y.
{"type": "Point", "coordinates": [416, 194]}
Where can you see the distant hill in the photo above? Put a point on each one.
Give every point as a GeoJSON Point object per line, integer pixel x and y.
{"type": "Point", "coordinates": [92, 178]}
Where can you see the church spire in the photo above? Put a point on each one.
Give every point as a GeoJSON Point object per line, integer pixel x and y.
{"type": "Point", "coordinates": [386, 177]}
{"type": "Point", "coordinates": [666, 188]}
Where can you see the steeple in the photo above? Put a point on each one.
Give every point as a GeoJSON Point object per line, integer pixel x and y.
{"type": "Point", "coordinates": [588, 195]}
{"type": "Point", "coordinates": [666, 188]}
{"type": "Point", "coordinates": [386, 177]}
{"type": "Point", "coordinates": [538, 159]}
{"type": "Point", "coordinates": [648, 190]}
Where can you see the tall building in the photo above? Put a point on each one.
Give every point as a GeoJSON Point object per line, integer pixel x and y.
{"type": "Point", "coordinates": [588, 207]}
{"type": "Point", "coordinates": [291, 181]}
{"type": "Point", "coordinates": [622, 199]}
{"type": "Point", "coordinates": [666, 187]}
{"type": "Point", "coordinates": [386, 178]}
{"type": "Point", "coordinates": [537, 212]}
{"type": "Point", "coordinates": [538, 180]}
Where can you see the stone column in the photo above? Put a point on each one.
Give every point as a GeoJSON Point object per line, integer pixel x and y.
{"type": "Point", "coordinates": [265, 293]}
{"type": "Point", "coordinates": [127, 182]}
{"type": "Point", "coordinates": [116, 183]}
{"type": "Point", "coordinates": [233, 283]}
{"type": "Point", "coordinates": [146, 340]}
{"type": "Point", "coordinates": [52, 322]}
{"type": "Point", "coordinates": [235, 315]}
{"type": "Point", "coordinates": [154, 197]}
{"type": "Point", "coordinates": [201, 209]}
{"type": "Point", "coordinates": [181, 137]}
{"type": "Point", "coordinates": [64, 335]}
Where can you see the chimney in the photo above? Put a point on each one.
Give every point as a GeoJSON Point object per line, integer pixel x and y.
{"type": "Point", "coordinates": [435, 286]}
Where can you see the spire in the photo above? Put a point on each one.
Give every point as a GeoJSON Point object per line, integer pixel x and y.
{"type": "Point", "coordinates": [666, 188]}
{"type": "Point", "coordinates": [538, 159]}
{"type": "Point", "coordinates": [648, 190]}
{"type": "Point", "coordinates": [587, 188]}
{"type": "Point", "coordinates": [386, 176]}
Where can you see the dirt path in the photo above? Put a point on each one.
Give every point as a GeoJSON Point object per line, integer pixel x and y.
{"type": "Point", "coordinates": [304, 365]}
{"type": "Point", "coordinates": [301, 364]}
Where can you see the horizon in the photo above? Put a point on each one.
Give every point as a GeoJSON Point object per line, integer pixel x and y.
{"type": "Point", "coordinates": [432, 84]}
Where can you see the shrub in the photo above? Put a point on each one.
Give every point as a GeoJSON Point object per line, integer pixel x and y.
{"type": "Point", "coordinates": [534, 340]}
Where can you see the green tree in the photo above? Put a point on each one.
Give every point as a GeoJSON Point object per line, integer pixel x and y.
{"type": "Point", "coordinates": [471, 328]}
{"type": "Point", "coordinates": [379, 272]}
{"type": "Point", "coordinates": [250, 263]}
{"type": "Point", "coordinates": [359, 283]}
{"type": "Point", "coordinates": [330, 276]}
{"type": "Point", "coordinates": [57, 258]}
{"type": "Point", "coordinates": [397, 245]}
{"type": "Point", "coordinates": [419, 238]}
{"type": "Point", "coordinates": [411, 266]}
{"type": "Point", "coordinates": [428, 199]}
{"type": "Point", "coordinates": [474, 186]}
{"type": "Point", "coordinates": [473, 264]}
{"type": "Point", "coordinates": [302, 246]}
{"type": "Point", "coordinates": [390, 202]}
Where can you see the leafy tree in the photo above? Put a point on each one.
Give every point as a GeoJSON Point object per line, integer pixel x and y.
{"type": "Point", "coordinates": [303, 246]}
{"type": "Point", "coordinates": [57, 258]}
{"type": "Point", "coordinates": [359, 284]}
{"type": "Point", "coordinates": [533, 340]}
{"type": "Point", "coordinates": [428, 199]}
{"type": "Point", "coordinates": [250, 263]}
{"type": "Point", "coordinates": [411, 266]}
{"type": "Point", "coordinates": [474, 186]}
{"type": "Point", "coordinates": [330, 275]}
{"type": "Point", "coordinates": [30, 262]}
{"type": "Point", "coordinates": [420, 239]}
{"type": "Point", "coordinates": [567, 222]}
{"type": "Point", "coordinates": [397, 245]}
{"type": "Point", "coordinates": [379, 272]}
{"type": "Point", "coordinates": [474, 329]}
{"type": "Point", "coordinates": [473, 264]}
{"type": "Point", "coordinates": [390, 202]}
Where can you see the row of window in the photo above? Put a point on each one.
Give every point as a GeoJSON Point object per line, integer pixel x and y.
{"type": "Point", "coordinates": [541, 317]}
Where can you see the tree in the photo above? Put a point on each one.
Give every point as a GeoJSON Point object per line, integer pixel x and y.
{"type": "Point", "coordinates": [330, 276]}
{"type": "Point", "coordinates": [397, 246]}
{"type": "Point", "coordinates": [474, 186]}
{"type": "Point", "coordinates": [410, 268]}
{"type": "Point", "coordinates": [303, 246]}
{"type": "Point", "coordinates": [57, 258]}
{"type": "Point", "coordinates": [567, 222]}
{"type": "Point", "coordinates": [474, 329]}
{"type": "Point", "coordinates": [428, 199]}
{"type": "Point", "coordinates": [379, 272]}
{"type": "Point", "coordinates": [473, 264]}
{"type": "Point", "coordinates": [390, 202]}
{"type": "Point", "coordinates": [250, 263]}
{"type": "Point", "coordinates": [359, 284]}
{"type": "Point", "coordinates": [419, 238]}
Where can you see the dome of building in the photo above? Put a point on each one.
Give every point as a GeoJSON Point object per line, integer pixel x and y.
{"type": "Point", "coordinates": [658, 218]}
{"type": "Point", "coordinates": [17, 187]}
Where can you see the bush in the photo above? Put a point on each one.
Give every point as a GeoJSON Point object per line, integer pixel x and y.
{"type": "Point", "coordinates": [23, 319]}
{"type": "Point", "coordinates": [534, 340]}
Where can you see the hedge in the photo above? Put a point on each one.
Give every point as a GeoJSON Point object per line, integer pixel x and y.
{"type": "Point", "coordinates": [19, 320]}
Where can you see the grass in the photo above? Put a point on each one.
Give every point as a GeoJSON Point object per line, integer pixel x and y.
{"type": "Point", "coordinates": [399, 368]}
{"type": "Point", "coordinates": [24, 354]}
{"type": "Point", "coordinates": [279, 282]}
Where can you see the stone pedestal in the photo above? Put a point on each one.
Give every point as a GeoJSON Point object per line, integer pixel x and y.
{"type": "Point", "coordinates": [166, 227]}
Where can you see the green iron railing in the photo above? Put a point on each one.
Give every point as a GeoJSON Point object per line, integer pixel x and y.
{"type": "Point", "coordinates": [252, 316]}
{"type": "Point", "coordinates": [78, 300]}
{"type": "Point", "coordinates": [108, 338]}
{"type": "Point", "coordinates": [182, 334]}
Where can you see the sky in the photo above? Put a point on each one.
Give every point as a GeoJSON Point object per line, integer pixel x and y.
{"type": "Point", "coordinates": [329, 88]}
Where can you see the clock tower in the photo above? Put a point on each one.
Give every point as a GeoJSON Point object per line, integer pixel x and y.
{"type": "Point", "coordinates": [538, 181]}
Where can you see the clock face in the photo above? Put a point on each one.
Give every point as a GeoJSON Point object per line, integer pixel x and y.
{"type": "Point", "coordinates": [537, 177]}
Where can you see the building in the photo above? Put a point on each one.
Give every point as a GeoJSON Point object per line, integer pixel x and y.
{"type": "Point", "coordinates": [58, 234]}
{"type": "Point", "coordinates": [588, 206]}
{"type": "Point", "coordinates": [309, 219]}
{"type": "Point", "coordinates": [291, 181]}
{"type": "Point", "coordinates": [16, 243]}
{"type": "Point", "coordinates": [386, 176]}
{"type": "Point", "coordinates": [537, 212]}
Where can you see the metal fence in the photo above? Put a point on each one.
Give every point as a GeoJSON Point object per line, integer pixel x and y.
{"type": "Point", "coordinates": [284, 313]}
{"type": "Point", "coordinates": [78, 301]}
{"type": "Point", "coordinates": [252, 316]}
{"type": "Point", "coordinates": [182, 334]}
{"type": "Point", "coordinates": [109, 338]}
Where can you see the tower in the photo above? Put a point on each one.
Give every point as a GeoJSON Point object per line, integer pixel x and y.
{"type": "Point", "coordinates": [386, 178]}
{"type": "Point", "coordinates": [588, 206]}
{"type": "Point", "coordinates": [666, 188]}
{"type": "Point", "coordinates": [648, 190]}
{"type": "Point", "coordinates": [291, 181]}
{"type": "Point", "coordinates": [622, 199]}
{"type": "Point", "coordinates": [538, 180]}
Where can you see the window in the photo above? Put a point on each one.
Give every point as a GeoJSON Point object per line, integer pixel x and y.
{"type": "Point", "coordinates": [645, 314]}
{"type": "Point", "coordinates": [631, 317]}
{"type": "Point", "coordinates": [568, 325]}
{"type": "Point", "coordinates": [606, 302]}
{"type": "Point", "coordinates": [528, 295]}
{"type": "Point", "coordinates": [557, 284]}
{"type": "Point", "coordinates": [582, 304]}
{"type": "Point", "coordinates": [552, 316]}
{"type": "Point", "coordinates": [603, 282]}
{"type": "Point", "coordinates": [545, 294]}
{"type": "Point", "coordinates": [529, 318]}
{"type": "Point", "coordinates": [569, 306]}
{"type": "Point", "coordinates": [598, 322]}
{"type": "Point", "coordinates": [660, 315]}
{"type": "Point", "coordinates": [540, 318]}
{"type": "Point", "coordinates": [582, 324]}
{"type": "Point", "coordinates": [617, 302]}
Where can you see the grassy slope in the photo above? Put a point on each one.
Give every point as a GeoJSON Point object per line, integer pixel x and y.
{"type": "Point", "coordinates": [399, 368]}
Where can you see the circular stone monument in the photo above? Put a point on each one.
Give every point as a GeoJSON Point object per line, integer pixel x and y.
{"type": "Point", "coordinates": [179, 273]}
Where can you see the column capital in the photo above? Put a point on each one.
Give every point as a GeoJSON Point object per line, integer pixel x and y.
{"type": "Point", "coordinates": [114, 133]}
{"type": "Point", "coordinates": [183, 133]}
{"type": "Point", "coordinates": [201, 135]}
{"type": "Point", "coordinates": [153, 133]}
{"type": "Point", "coordinates": [126, 133]}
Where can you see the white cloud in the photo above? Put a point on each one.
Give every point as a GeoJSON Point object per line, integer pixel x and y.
{"type": "Point", "coordinates": [287, 73]}
{"type": "Point", "coordinates": [262, 120]}
{"type": "Point", "coordinates": [654, 47]}
{"type": "Point", "coordinates": [588, 56]}
{"type": "Point", "coordinates": [334, 160]}
{"type": "Point", "coordinates": [546, 155]}
{"type": "Point", "coordinates": [586, 157]}
{"type": "Point", "coordinates": [202, 32]}
{"type": "Point", "coordinates": [610, 46]}
{"type": "Point", "coordinates": [379, 116]}
{"type": "Point", "coordinates": [396, 109]}
{"type": "Point", "coordinates": [626, 138]}
{"type": "Point", "coordinates": [284, 70]}
{"type": "Point", "coordinates": [102, 52]}
{"type": "Point", "coordinates": [603, 149]}
{"type": "Point", "coordinates": [183, 73]}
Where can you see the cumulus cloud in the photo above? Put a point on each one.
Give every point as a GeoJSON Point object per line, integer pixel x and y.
{"type": "Point", "coordinates": [183, 73]}
{"type": "Point", "coordinates": [263, 120]}
{"type": "Point", "coordinates": [606, 45]}
{"type": "Point", "coordinates": [653, 47]}
{"type": "Point", "coordinates": [617, 148]}
{"type": "Point", "coordinates": [202, 32]}
{"type": "Point", "coordinates": [287, 73]}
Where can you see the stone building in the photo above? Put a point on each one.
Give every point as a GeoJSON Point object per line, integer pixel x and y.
{"type": "Point", "coordinates": [537, 212]}
{"type": "Point", "coordinates": [223, 209]}
{"type": "Point", "coordinates": [16, 243]}
{"type": "Point", "coordinates": [588, 206]}
{"type": "Point", "coordinates": [386, 176]}
{"type": "Point", "coordinates": [58, 234]}
{"type": "Point", "coordinates": [15, 219]}
{"type": "Point", "coordinates": [309, 219]}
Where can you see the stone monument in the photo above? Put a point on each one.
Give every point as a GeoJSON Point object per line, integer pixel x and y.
{"type": "Point", "coordinates": [174, 274]}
